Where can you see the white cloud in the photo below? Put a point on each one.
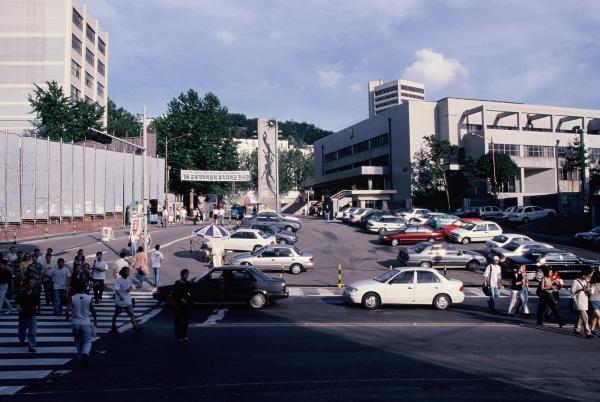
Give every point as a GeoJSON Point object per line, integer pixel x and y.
{"type": "Point", "coordinates": [355, 87]}
{"type": "Point", "coordinates": [435, 70]}
{"type": "Point", "coordinates": [227, 37]}
{"type": "Point", "coordinates": [329, 78]}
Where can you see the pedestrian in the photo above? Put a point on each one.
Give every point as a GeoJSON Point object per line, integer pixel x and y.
{"type": "Point", "coordinates": [557, 285]}
{"type": "Point", "coordinates": [28, 305]}
{"type": "Point", "coordinates": [99, 268]}
{"type": "Point", "coordinates": [580, 291]}
{"type": "Point", "coordinates": [80, 307]}
{"type": "Point", "coordinates": [217, 250]}
{"type": "Point", "coordinates": [48, 265]}
{"type": "Point", "coordinates": [523, 308]}
{"type": "Point", "coordinates": [178, 216]}
{"type": "Point", "coordinates": [156, 260]}
{"type": "Point", "coordinates": [544, 292]}
{"type": "Point", "coordinates": [221, 215]}
{"type": "Point", "coordinates": [326, 213]}
{"type": "Point", "coordinates": [124, 301]}
{"type": "Point", "coordinates": [5, 283]}
{"type": "Point", "coordinates": [35, 272]}
{"type": "Point", "coordinates": [119, 264]}
{"type": "Point", "coordinates": [19, 270]}
{"type": "Point", "coordinates": [80, 257]}
{"type": "Point", "coordinates": [140, 264]}
{"type": "Point", "coordinates": [516, 292]}
{"type": "Point", "coordinates": [492, 279]}
{"type": "Point", "coordinates": [165, 217]}
{"type": "Point", "coordinates": [78, 282]}
{"type": "Point", "coordinates": [133, 241]}
{"type": "Point", "coordinates": [201, 214]}
{"type": "Point", "coordinates": [88, 277]}
{"type": "Point", "coordinates": [215, 214]}
{"type": "Point", "coordinates": [61, 277]}
{"type": "Point", "coordinates": [595, 302]}
{"type": "Point", "coordinates": [12, 256]}
{"type": "Point", "coordinates": [183, 216]}
{"type": "Point", "coordinates": [182, 296]}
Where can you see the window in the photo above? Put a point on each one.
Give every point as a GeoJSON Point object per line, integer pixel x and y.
{"type": "Point", "coordinates": [100, 89]}
{"type": "Point", "coordinates": [215, 275]}
{"type": "Point", "coordinates": [89, 81]}
{"type": "Point", "coordinates": [492, 226]}
{"type": "Point", "coordinates": [101, 69]}
{"type": "Point", "coordinates": [268, 254]}
{"type": "Point", "coordinates": [345, 152]}
{"type": "Point", "coordinates": [407, 95]}
{"type": "Point", "coordinates": [380, 140]}
{"type": "Point", "coordinates": [101, 46]}
{"type": "Point", "coordinates": [75, 93]}
{"type": "Point", "coordinates": [360, 147]}
{"type": "Point", "coordinates": [284, 252]}
{"type": "Point", "coordinates": [90, 33]}
{"type": "Point", "coordinates": [508, 149]}
{"type": "Point", "coordinates": [75, 69]}
{"type": "Point", "coordinates": [328, 157]}
{"type": "Point", "coordinates": [427, 277]}
{"type": "Point", "coordinates": [412, 89]}
{"type": "Point", "coordinates": [250, 235]}
{"type": "Point", "coordinates": [76, 44]}
{"type": "Point", "coordinates": [88, 99]}
{"type": "Point", "coordinates": [238, 235]}
{"type": "Point", "coordinates": [89, 56]}
{"type": "Point", "coordinates": [241, 275]}
{"type": "Point", "coordinates": [594, 154]}
{"type": "Point", "coordinates": [404, 277]}
{"type": "Point", "coordinates": [411, 229]}
{"type": "Point", "coordinates": [480, 228]}
{"type": "Point", "coordinates": [77, 19]}
{"type": "Point", "coordinates": [539, 151]}
{"type": "Point", "coordinates": [386, 90]}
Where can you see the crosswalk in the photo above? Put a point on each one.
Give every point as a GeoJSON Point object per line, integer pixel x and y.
{"type": "Point", "coordinates": [55, 347]}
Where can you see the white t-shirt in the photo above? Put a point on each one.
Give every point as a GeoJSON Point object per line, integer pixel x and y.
{"type": "Point", "coordinates": [493, 273]}
{"type": "Point", "coordinates": [60, 277]}
{"type": "Point", "coordinates": [48, 267]}
{"type": "Point", "coordinates": [156, 259]}
{"type": "Point", "coordinates": [99, 269]}
{"type": "Point", "coordinates": [121, 263]}
{"type": "Point", "coordinates": [122, 285]}
{"type": "Point", "coordinates": [81, 309]}
{"type": "Point", "coordinates": [11, 257]}
{"type": "Point", "coordinates": [580, 299]}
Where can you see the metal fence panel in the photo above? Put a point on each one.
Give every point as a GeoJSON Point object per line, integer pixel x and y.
{"type": "Point", "coordinates": [3, 151]}
{"type": "Point", "coordinates": [41, 179]}
{"type": "Point", "coordinates": [137, 178]}
{"type": "Point", "coordinates": [127, 179]}
{"type": "Point", "coordinates": [109, 192]}
{"type": "Point", "coordinates": [54, 179]}
{"type": "Point", "coordinates": [78, 190]}
{"type": "Point", "coordinates": [66, 179]}
{"type": "Point", "coordinates": [13, 178]}
{"type": "Point", "coordinates": [89, 160]}
{"type": "Point", "coordinates": [119, 173]}
{"type": "Point", "coordinates": [28, 178]}
{"type": "Point", "coordinates": [161, 181]}
{"type": "Point", "coordinates": [153, 177]}
{"type": "Point", "coordinates": [100, 181]}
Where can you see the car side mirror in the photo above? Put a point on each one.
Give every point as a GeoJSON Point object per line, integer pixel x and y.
{"type": "Point", "coordinates": [460, 252]}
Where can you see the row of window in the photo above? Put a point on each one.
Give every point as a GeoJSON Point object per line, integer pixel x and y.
{"type": "Point", "coordinates": [362, 146]}
{"type": "Point", "coordinates": [89, 79]}
{"type": "Point", "coordinates": [412, 89]}
{"type": "Point", "coordinates": [386, 90]}
{"type": "Point", "coordinates": [89, 31]}
{"type": "Point", "coordinates": [407, 95]}
{"type": "Point", "coordinates": [89, 55]}
{"type": "Point", "coordinates": [386, 97]}
{"type": "Point", "coordinates": [392, 102]}
{"type": "Point", "coordinates": [383, 160]}
{"type": "Point", "coordinates": [89, 82]}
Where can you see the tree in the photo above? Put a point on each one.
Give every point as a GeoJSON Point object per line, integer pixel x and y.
{"type": "Point", "coordinates": [429, 171]}
{"type": "Point", "coordinates": [506, 169]}
{"type": "Point", "coordinates": [249, 161]}
{"type": "Point", "coordinates": [294, 169]}
{"type": "Point", "coordinates": [59, 117]}
{"type": "Point", "coordinates": [121, 123]}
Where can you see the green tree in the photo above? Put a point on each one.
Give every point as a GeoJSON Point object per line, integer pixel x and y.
{"type": "Point", "coordinates": [249, 161]}
{"type": "Point", "coordinates": [294, 169]}
{"type": "Point", "coordinates": [506, 169]}
{"type": "Point", "coordinates": [122, 123]}
{"type": "Point", "coordinates": [429, 171]}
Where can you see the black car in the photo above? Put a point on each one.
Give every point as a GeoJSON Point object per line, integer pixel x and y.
{"type": "Point", "coordinates": [283, 236]}
{"type": "Point", "coordinates": [588, 238]}
{"type": "Point", "coordinates": [233, 285]}
{"type": "Point", "coordinates": [569, 266]}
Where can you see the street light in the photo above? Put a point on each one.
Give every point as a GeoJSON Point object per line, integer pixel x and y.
{"type": "Point", "coordinates": [493, 156]}
{"type": "Point", "coordinates": [557, 177]}
{"type": "Point", "coordinates": [167, 139]}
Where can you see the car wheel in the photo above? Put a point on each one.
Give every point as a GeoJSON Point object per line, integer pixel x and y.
{"type": "Point", "coordinates": [473, 266]}
{"type": "Point", "coordinates": [466, 240]}
{"type": "Point", "coordinates": [425, 264]}
{"type": "Point", "coordinates": [525, 220]}
{"type": "Point", "coordinates": [282, 241]}
{"type": "Point", "coordinates": [256, 247]}
{"type": "Point", "coordinates": [258, 301]}
{"type": "Point", "coordinates": [246, 263]}
{"type": "Point", "coordinates": [289, 228]}
{"type": "Point", "coordinates": [296, 269]}
{"type": "Point", "coordinates": [442, 302]}
{"type": "Point", "coordinates": [381, 231]}
{"type": "Point", "coordinates": [371, 301]}
{"type": "Point", "coordinates": [395, 242]}
{"type": "Point", "coordinates": [431, 240]}
{"type": "Point", "coordinates": [539, 275]}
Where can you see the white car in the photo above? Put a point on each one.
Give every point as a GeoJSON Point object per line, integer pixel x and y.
{"type": "Point", "coordinates": [414, 213]}
{"type": "Point", "coordinates": [267, 214]}
{"type": "Point", "coordinates": [248, 240]}
{"type": "Point", "coordinates": [340, 214]}
{"type": "Point", "coordinates": [475, 231]}
{"type": "Point", "coordinates": [385, 223]}
{"type": "Point", "coordinates": [406, 286]}
{"type": "Point", "coordinates": [356, 216]}
{"type": "Point", "coordinates": [276, 257]}
{"type": "Point", "coordinates": [502, 240]}
{"type": "Point", "coordinates": [346, 213]}
{"type": "Point", "coordinates": [531, 213]}
{"type": "Point", "coordinates": [424, 219]}
{"type": "Point", "coordinates": [517, 248]}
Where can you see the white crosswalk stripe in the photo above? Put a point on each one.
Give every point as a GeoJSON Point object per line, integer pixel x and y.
{"type": "Point", "coordinates": [55, 347]}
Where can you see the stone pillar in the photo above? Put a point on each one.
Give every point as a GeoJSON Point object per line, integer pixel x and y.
{"type": "Point", "coordinates": [522, 179]}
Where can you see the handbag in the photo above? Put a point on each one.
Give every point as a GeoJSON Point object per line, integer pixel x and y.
{"type": "Point", "coordinates": [485, 288]}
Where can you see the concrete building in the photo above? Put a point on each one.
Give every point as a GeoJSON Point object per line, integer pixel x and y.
{"type": "Point", "coordinates": [44, 40]}
{"type": "Point", "coordinates": [372, 155]}
{"type": "Point", "coordinates": [383, 96]}
{"type": "Point", "coordinates": [247, 145]}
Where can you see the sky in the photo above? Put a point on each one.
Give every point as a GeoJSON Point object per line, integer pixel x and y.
{"type": "Point", "coordinates": [310, 60]}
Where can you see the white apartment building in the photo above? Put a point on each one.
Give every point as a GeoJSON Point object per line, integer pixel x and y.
{"type": "Point", "coordinates": [44, 40]}
{"type": "Point", "coordinates": [383, 96]}
{"type": "Point", "coordinates": [247, 145]}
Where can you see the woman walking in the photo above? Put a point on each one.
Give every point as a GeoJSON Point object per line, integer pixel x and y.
{"type": "Point", "coordinates": [580, 291]}
{"type": "Point", "coordinates": [595, 302]}
{"type": "Point", "coordinates": [140, 264]}
{"type": "Point", "coordinates": [516, 289]}
{"type": "Point", "coordinates": [545, 289]}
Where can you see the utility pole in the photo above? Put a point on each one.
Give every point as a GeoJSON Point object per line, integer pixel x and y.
{"type": "Point", "coordinates": [145, 178]}
{"type": "Point", "coordinates": [557, 177]}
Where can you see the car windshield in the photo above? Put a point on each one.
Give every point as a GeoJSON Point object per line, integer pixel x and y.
{"type": "Point", "coordinates": [512, 246]}
{"type": "Point", "coordinates": [275, 229]}
{"type": "Point", "coordinates": [386, 276]}
{"type": "Point", "coordinates": [263, 234]}
{"type": "Point", "coordinates": [297, 251]}
{"type": "Point", "coordinates": [468, 226]}
{"type": "Point", "coordinates": [420, 247]}
{"type": "Point", "coordinates": [500, 239]}
{"type": "Point", "coordinates": [518, 210]}
{"type": "Point", "coordinates": [257, 252]}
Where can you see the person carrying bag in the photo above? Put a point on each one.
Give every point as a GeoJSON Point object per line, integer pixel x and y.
{"type": "Point", "coordinates": [140, 264]}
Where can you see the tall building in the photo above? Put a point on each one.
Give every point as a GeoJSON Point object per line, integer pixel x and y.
{"type": "Point", "coordinates": [383, 96]}
{"type": "Point", "coordinates": [44, 40]}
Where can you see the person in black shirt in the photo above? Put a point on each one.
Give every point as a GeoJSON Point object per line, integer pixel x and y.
{"type": "Point", "coordinates": [28, 304]}
{"type": "Point", "coordinates": [183, 299]}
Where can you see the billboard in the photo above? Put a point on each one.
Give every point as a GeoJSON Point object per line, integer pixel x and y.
{"type": "Point", "coordinates": [215, 175]}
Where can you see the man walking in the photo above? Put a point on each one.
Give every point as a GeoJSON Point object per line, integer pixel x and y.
{"type": "Point", "coordinates": [123, 301]}
{"type": "Point", "coordinates": [28, 305]}
{"type": "Point", "coordinates": [48, 265]}
{"type": "Point", "coordinates": [35, 272]}
{"type": "Point", "coordinates": [156, 260]}
{"type": "Point", "coordinates": [580, 291]}
{"type": "Point", "coordinates": [183, 298]}
{"type": "Point", "coordinates": [492, 279]}
{"type": "Point", "coordinates": [5, 281]}
{"type": "Point", "coordinates": [60, 277]}
{"type": "Point", "coordinates": [99, 268]}
{"type": "Point", "coordinates": [80, 306]}
{"type": "Point", "coordinates": [120, 264]}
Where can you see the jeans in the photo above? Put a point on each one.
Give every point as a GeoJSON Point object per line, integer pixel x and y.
{"type": "Point", "coordinates": [182, 318]}
{"type": "Point", "coordinates": [326, 217]}
{"type": "Point", "coordinates": [28, 329]}
{"type": "Point", "coordinates": [98, 289]}
{"type": "Point", "coordinates": [49, 291]}
{"type": "Point", "coordinates": [156, 276]}
{"type": "Point", "coordinates": [516, 297]}
{"type": "Point", "coordinates": [524, 300]}
{"type": "Point", "coordinates": [60, 295]}
{"type": "Point", "coordinates": [141, 277]}
{"type": "Point", "coordinates": [83, 338]}
{"type": "Point", "coordinates": [546, 300]}
{"type": "Point", "coordinates": [133, 247]}
{"type": "Point", "coordinates": [494, 295]}
{"type": "Point", "coordinates": [3, 298]}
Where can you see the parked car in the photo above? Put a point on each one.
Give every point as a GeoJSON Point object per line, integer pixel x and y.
{"type": "Point", "coordinates": [475, 231]}
{"type": "Point", "coordinates": [238, 211]}
{"type": "Point", "coordinates": [569, 265]}
{"type": "Point", "coordinates": [587, 238]}
{"type": "Point", "coordinates": [440, 220]}
{"type": "Point", "coordinates": [467, 213]}
{"type": "Point", "coordinates": [457, 224]}
{"type": "Point", "coordinates": [346, 213]}
{"type": "Point", "coordinates": [274, 257]}
{"type": "Point", "coordinates": [270, 214]}
{"type": "Point", "coordinates": [509, 211]}
{"type": "Point", "coordinates": [429, 255]}
{"type": "Point", "coordinates": [248, 240]}
{"type": "Point", "coordinates": [410, 234]}
{"type": "Point", "coordinates": [373, 212]}
{"type": "Point", "coordinates": [485, 212]}
{"type": "Point", "coordinates": [503, 239]}
{"type": "Point", "coordinates": [425, 217]}
{"type": "Point", "coordinates": [232, 285]}
{"type": "Point", "coordinates": [423, 286]}
{"type": "Point", "coordinates": [530, 213]}
{"type": "Point", "coordinates": [414, 212]}
{"type": "Point", "coordinates": [283, 236]}
{"type": "Point", "coordinates": [515, 248]}
{"type": "Point", "coordinates": [286, 224]}
{"type": "Point", "coordinates": [385, 224]}
{"type": "Point", "coordinates": [356, 216]}
{"type": "Point", "coordinates": [340, 213]}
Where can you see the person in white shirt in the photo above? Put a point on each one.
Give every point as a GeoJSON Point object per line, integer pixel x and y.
{"type": "Point", "coordinates": [99, 268]}
{"type": "Point", "coordinates": [123, 301]}
{"type": "Point", "coordinates": [580, 291]}
{"type": "Point", "coordinates": [60, 278]}
{"type": "Point", "coordinates": [12, 256]}
{"type": "Point", "coordinates": [48, 265]}
{"type": "Point", "coordinates": [492, 279]}
{"type": "Point", "coordinates": [156, 260]}
{"type": "Point", "coordinates": [119, 264]}
{"type": "Point", "coordinates": [80, 307]}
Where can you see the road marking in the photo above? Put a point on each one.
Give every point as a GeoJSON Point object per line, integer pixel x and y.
{"type": "Point", "coordinates": [217, 315]}
{"type": "Point", "coordinates": [22, 375]}
{"type": "Point", "coordinates": [295, 292]}
{"type": "Point", "coordinates": [49, 339]}
{"type": "Point", "coordinates": [370, 325]}
{"type": "Point", "coordinates": [325, 292]}
{"type": "Point", "coordinates": [33, 362]}
{"type": "Point", "coordinates": [44, 349]}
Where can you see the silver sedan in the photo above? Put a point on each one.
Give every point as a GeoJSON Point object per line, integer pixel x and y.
{"type": "Point", "coordinates": [276, 257]}
{"type": "Point", "coordinates": [428, 255]}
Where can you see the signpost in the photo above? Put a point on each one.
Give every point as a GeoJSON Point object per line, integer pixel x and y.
{"type": "Point", "coordinates": [107, 234]}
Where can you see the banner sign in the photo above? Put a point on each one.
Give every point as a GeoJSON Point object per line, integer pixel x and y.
{"type": "Point", "coordinates": [215, 175]}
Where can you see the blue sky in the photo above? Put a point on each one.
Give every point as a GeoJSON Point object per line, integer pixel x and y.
{"type": "Point", "coordinates": [310, 60]}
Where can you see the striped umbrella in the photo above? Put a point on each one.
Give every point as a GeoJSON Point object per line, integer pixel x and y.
{"type": "Point", "coordinates": [211, 231]}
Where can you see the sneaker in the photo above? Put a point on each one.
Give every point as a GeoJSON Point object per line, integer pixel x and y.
{"type": "Point", "coordinates": [31, 350]}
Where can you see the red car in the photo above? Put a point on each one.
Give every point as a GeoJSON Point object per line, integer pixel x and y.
{"type": "Point", "coordinates": [456, 224]}
{"type": "Point", "coordinates": [411, 234]}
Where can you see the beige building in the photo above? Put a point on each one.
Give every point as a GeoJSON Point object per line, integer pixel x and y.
{"type": "Point", "coordinates": [44, 40]}
{"type": "Point", "coordinates": [383, 96]}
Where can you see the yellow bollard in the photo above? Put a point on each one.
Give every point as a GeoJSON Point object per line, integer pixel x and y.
{"type": "Point", "coordinates": [281, 273]}
{"type": "Point", "coordinates": [74, 229]}
{"type": "Point", "coordinates": [45, 233]}
{"type": "Point", "coordinates": [14, 238]}
{"type": "Point", "coordinates": [339, 268]}
{"type": "Point", "coordinates": [445, 270]}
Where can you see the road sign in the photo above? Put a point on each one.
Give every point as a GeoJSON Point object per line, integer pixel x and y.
{"type": "Point", "coordinates": [215, 175]}
{"type": "Point", "coordinates": [107, 233]}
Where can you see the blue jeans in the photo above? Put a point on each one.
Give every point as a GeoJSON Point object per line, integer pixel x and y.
{"type": "Point", "coordinates": [141, 277]}
{"type": "Point", "coordinates": [156, 276]}
{"type": "Point", "coordinates": [3, 298]}
{"type": "Point", "coordinates": [83, 338]}
{"type": "Point", "coordinates": [494, 295]}
{"type": "Point", "coordinates": [28, 329]}
{"type": "Point", "coordinates": [59, 297]}
{"type": "Point", "coordinates": [133, 248]}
